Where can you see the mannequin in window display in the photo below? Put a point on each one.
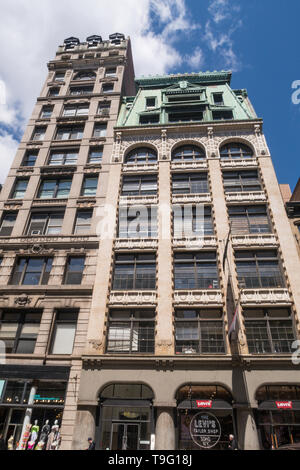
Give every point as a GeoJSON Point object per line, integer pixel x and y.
{"type": "Point", "coordinates": [54, 437]}
{"type": "Point", "coordinates": [34, 435]}
{"type": "Point", "coordinates": [10, 443]}
{"type": "Point", "coordinates": [44, 436]}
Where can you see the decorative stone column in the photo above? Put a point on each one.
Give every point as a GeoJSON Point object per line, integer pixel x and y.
{"type": "Point", "coordinates": [27, 419]}
{"type": "Point", "coordinates": [247, 430]}
{"type": "Point", "coordinates": [165, 429]}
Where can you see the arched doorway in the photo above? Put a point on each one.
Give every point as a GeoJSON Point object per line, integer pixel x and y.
{"type": "Point", "coordinates": [126, 417]}
{"type": "Point", "coordinates": [205, 417]}
{"type": "Point", "coordinates": [278, 416]}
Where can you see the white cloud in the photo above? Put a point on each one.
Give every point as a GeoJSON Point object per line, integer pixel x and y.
{"type": "Point", "coordinates": [196, 60]}
{"type": "Point", "coordinates": [31, 30]}
{"type": "Point", "coordinates": [8, 148]}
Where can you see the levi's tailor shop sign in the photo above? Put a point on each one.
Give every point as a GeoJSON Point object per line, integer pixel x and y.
{"type": "Point", "coordinates": [284, 405]}
{"type": "Point", "coordinates": [204, 403]}
{"type": "Point", "coordinates": [205, 430]}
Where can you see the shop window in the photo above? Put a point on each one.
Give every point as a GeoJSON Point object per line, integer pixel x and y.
{"type": "Point", "coordinates": [131, 331]}
{"type": "Point", "coordinates": [139, 185]}
{"type": "Point", "coordinates": [7, 223]}
{"type": "Point", "coordinates": [19, 331]}
{"type": "Point", "coordinates": [74, 270]}
{"type": "Point", "coordinates": [196, 270]}
{"type": "Point", "coordinates": [188, 153]}
{"type": "Point", "coordinates": [241, 181]}
{"type": "Point", "coordinates": [236, 150]}
{"type": "Point", "coordinates": [44, 223]}
{"type": "Point", "coordinates": [190, 183]}
{"type": "Point", "coordinates": [269, 331]}
{"type": "Point", "coordinates": [64, 332]}
{"type": "Point", "coordinates": [95, 155]}
{"type": "Point", "coordinates": [19, 189]}
{"type": "Point", "coordinates": [137, 222]}
{"type": "Point", "coordinates": [199, 332]}
{"type": "Point", "coordinates": [135, 272]}
{"type": "Point", "coordinates": [30, 158]}
{"type": "Point", "coordinates": [63, 157]}
{"type": "Point", "coordinates": [83, 222]}
{"type": "Point", "coordinates": [54, 189]}
{"type": "Point", "coordinates": [249, 220]}
{"type": "Point", "coordinates": [191, 221]}
{"type": "Point", "coordinates": [89, 186]}
{"type": "Point", "coordinates": [258, 269]}
{"type": "Point", "coordinates": [31, 271]}
{"type": "Point", "coordinates": [141, 155]}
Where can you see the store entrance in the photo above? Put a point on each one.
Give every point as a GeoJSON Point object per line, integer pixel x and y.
{"type": "Point", "coordinates": [125, 436]}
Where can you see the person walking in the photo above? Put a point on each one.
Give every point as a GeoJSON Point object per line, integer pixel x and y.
{"type": "Point", "coordinates": [232, 445]}
{"type": "Point", "coordinates": [91, 444]}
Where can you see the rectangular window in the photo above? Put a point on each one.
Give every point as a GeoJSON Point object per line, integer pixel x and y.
{"type": "Point", "coordinates": [100, 130]}
{"type": "Point", "coordinates": [241, 181]}
{"type": "Point", "coordinates": [258, 269]}
{"type": "Point", "coordinates": [89, 187]}
{"type": "Point", "coordinates": [19, 189]}
{"type": "Point", "coordinates": [199, 332]}
{"type": "Point", "coordinates": [182, 98]}
{"type": "Point", "coordinates": [189, 222]}
{"type": "Point", "coordinates": [74, 270]}
{"type": "Point", "coordinates": [64, 332]}
{"type": "Point", "coordinates": [108, 88]}
{"type": "Point", "coordinates": [69, 133]}
{"type": "Point", "coordinates": [30, 158]}
{"type": "Point", "coordinates": [150, 102]}
{"type": "Point", "coordinates": [81, 90]}
{"type": "Point", "coordinates": [249, 219]}
{"type": "Point", "coordinates": [131, 332]}
{"type": "Point", "coordinates": [218, 99]}
{"type": "Point", "coordinates": [7, 223]}
{"type": "Point", "coordinates": [193, 183]}
{"type": "Point", "coordinates": [185, 116]}
{"type": "Point", "coordinates": [149, 119]}
{"type": "Point", "coordinates": [222, 115]}
{"type": "Point", "coordinates": [139, 185]}
{"type": "Point", "coordinates": [79, 110]}
{"type": "Point", "coordinates": [196, 270]}
{"type": "Point", "coordinates": [31, 271]}
{"type": "Point", "coordinates": [63, 157]}
{"type": "Point", "coordinates": [46, 112]}
{"type": "Point", "coordinates": [138, 223]}
{"type": "Point", "coordinates": [59, 76]}
{"type": "Point", "coordinates": [103, 109]}
{"type": "Point", "coordinates": [53, 92]}
{"type": "Point", "coordinates": [135, 272]}
{"type": "Point", "coordinates": [19, 331]}
{"type": "Point", "coordinates": [54, 189]}
{"type": "Point", "coordinates": [39, 133]}
{"type": "Point", "coordinates": [83, 222]}
{"type": "Point", "coordinates": [45, 223]}
{"type": "Point", "coordinates": [111, 72]}
{"type": "Point", "coordinates": [95, 155]}
{"type": "Point", "coordinates": [269, 331]}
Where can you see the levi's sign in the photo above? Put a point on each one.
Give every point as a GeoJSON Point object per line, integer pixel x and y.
{"type": "Point", "coordinates": [204, 403]}
{"type": "Point", "coordinates": [284, 405]}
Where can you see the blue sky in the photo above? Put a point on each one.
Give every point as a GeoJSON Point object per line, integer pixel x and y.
{"type": "Point", "coordinates": [257, 39]}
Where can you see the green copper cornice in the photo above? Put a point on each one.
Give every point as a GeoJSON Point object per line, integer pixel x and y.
{"type": "Point", "coordinates": [201, 78]}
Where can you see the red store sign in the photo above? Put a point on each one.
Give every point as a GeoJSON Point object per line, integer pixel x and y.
{"type": "Point", "coordinates": [204, 403]}
{"type": "Point", "coordinates": [284, 405]}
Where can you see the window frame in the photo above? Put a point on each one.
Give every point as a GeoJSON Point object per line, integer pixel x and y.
{"type": "Point", "coordinates": [254, 261]}
{"type": "Point", "coordinates": [134, 263]}
{"type": "Point", "coordinates": [196, 263]}
{"type": "Point", "coordinates": [67, 272]}
{"type": "Point", "coordinates": [44, 274]}
{"type": "Point", "coordinates": [21, 321]}
{"type": "Point", "coordinates": [150, 156]}
{"type": "Point", "coordinates": [56, 188]}
{"type": "Point", "coordinates": [246, 151]}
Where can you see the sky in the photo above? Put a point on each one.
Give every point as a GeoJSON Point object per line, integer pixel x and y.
{"type": "Point", "coordinates": [257, 39]}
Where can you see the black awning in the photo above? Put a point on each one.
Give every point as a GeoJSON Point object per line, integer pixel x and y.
{"type": "Point", "coordinates": [126, 403]}
{"type": "Point", "coordinates": [278, 405]}
{"type": "Point", "coordinates": [17, 371]}
{"type": "Point", "coordinates": [202, 406]}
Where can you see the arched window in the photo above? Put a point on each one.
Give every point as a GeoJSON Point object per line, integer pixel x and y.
{"type": "Point", "coordinates": [236, 150]}
{"type": "Point", "coordinates": [141, 155]}
{"type": "Point", "coordinates": [188, 153]}
{"type": "Point", "coordinates": [85, 76]}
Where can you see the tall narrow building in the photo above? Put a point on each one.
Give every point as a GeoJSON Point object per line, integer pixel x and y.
{"type": "Point", "coordinates": [149, 274]}
{"type": "Point", "coordinates": [48, 242]}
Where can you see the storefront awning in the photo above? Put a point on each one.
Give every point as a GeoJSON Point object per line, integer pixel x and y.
{"type": "Point", "coordinates": [275, 405]}
{"type": "Point", "coordinates": [126, 403]}
{"type": "Point", "coordinates": [14, 371]}
{"type": "Point", "coordinates": [204, 405]}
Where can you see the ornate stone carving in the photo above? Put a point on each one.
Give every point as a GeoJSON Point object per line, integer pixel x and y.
{"type": "Point", "coordinates": [132, 298]}
{"type": "Point", "coordinates": [254, 240]}
{"type": "Point", "coordinates": [95, 344]}
{"type": "Point", "coordinates": [201, 297]}
{"type": "Point", "coordinates": [22, 300]}
{"type": "Point", "coordinates": [265, 297]}
{"type": "Point", "coordinates": [246, 197]}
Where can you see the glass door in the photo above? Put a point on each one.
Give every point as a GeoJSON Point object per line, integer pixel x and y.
{"type": "Point", "coordinates": [125, 436]}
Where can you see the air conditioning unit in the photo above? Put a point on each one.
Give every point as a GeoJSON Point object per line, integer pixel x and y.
{"type": "Point", "coordinates": [35, 232]}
